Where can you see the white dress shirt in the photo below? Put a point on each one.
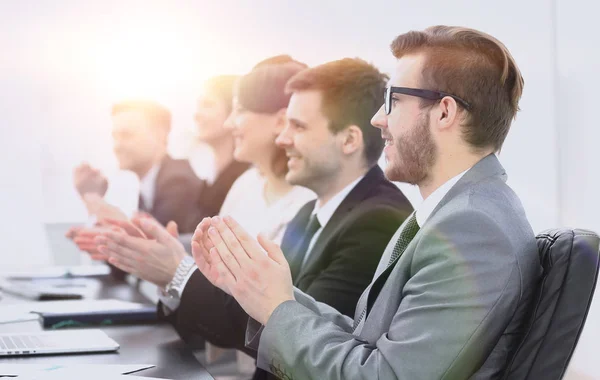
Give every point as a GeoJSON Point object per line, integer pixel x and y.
{"type": "Point", "coordinates": [326, 211]}
{"type": "Point", "coordinates": [148, 186]}
{"type": "Point", "coordinates": [430, 203]}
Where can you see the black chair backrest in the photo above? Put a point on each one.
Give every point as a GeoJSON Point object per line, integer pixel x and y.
{"type": "Point", "coordinates": [570, 260]}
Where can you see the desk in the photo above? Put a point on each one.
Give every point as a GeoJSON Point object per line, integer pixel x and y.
{"type": "Point", "coordinates": [156, 344]}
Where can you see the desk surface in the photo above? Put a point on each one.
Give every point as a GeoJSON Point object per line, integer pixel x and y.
{"type": "Point", "coordinates": [156, 344]}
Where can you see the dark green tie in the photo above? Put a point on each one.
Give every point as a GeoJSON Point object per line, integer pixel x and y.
{"type": "Point", "coordinates": [408, 233]}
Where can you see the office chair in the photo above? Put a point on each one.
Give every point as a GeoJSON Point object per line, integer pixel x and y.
{"type": "Point", "coordinates": [570, 263]}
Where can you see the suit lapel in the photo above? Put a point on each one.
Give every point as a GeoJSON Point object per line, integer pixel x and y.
{"type": "Point", "coordinates": [354, 198]}
{"type": "Point", "coordinates": [486, 167]}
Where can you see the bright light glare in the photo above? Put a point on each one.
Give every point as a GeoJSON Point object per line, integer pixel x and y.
{"type": "Point", "coordinates": [145, 62]}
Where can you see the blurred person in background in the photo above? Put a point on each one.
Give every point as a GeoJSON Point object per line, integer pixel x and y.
{"type": "Point", "coordinates": [178, 195]}
{"type": "Point", "coordinates": [140, 132]}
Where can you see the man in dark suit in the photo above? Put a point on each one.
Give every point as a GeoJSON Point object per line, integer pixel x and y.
{"type": "Point", "coordinates": [455, 286]}
{"type": "Point", "coordinates": [334, 243]}
{"type": "Point", "coordinates": [140, 133]}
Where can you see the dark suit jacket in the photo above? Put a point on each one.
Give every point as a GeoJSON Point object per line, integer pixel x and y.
{"type": "Point", "coordinates": [181, 196]}
{"type": "Point", "coordinates": [340, 266]}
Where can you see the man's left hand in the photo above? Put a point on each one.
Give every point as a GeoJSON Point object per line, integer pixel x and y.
{"type": "Point", "coordinates": [260, 281]}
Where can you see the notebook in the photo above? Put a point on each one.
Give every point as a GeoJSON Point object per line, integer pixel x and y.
{"type": "Point", "coordinates": [65, 319]}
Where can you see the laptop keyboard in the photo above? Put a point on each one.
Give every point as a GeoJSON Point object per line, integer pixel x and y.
{"type": "Point", "coordinates": [20, 342]}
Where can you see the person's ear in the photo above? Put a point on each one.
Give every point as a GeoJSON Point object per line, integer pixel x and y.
{"type": "Point", "coordinates": [352, 139]}
{"type": "Point", "coordinates": [447, 113]}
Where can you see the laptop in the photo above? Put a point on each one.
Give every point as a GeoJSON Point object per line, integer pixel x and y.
{"type": "Point", "coordinates": [56, 342]}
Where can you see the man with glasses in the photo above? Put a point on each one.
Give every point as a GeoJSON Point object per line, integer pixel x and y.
{"type": "Point", "coordinates": [451, 295]}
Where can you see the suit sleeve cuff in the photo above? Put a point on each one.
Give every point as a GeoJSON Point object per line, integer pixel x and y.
{"type": "Point", "coordinates": [267, 339]}
{"type": "Point", "coordinates": [171, 304]}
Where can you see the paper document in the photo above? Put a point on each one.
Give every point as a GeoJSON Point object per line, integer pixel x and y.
{"type": "Point", "coordinates": [70, 306]}
{"type": "Point", "coordinates": [17, 317]}
{"type": "Point", "coordinates": [81, 371]}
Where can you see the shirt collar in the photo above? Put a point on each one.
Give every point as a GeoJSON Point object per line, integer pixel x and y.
{"type": "Point", "coordinates": [148, 185]}
{"type": "Point", "coordinates": [325, 212]}
{"type": "Point", "coordinates": [430, 203]}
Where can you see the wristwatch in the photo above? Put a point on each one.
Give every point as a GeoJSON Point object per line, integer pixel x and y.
{"type": "Point", "coordinates": [175, 287]}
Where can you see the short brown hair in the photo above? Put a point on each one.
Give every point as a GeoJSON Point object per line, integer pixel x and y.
{"type": "Point", "coordinates": [157, 113]}
{"type": "Point", "coordinates": [352, 93]}
{"type": "Point", "coordinates": [475, 67]}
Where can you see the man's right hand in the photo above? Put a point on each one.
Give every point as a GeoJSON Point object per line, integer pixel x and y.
{"type": "Point", "coordinates": [84, 239]}
{"type": "Point", "coordinates": [89, 180]}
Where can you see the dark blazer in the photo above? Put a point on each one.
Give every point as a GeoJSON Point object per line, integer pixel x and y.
{"type": "Point", "coordinates": [184, 198]}
{"type": "Point", "coordinates": [340, 266]}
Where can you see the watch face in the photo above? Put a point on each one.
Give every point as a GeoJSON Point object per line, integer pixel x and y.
{"type": "Point", "coordinates": [173, 292]}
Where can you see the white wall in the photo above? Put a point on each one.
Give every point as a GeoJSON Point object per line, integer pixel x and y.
{"type": "Point", "coordinates": [81, 55]}
{"type": "Point", "coordinates": [70, 60]}
{"type": "Point", "coordinates": [577, 42]}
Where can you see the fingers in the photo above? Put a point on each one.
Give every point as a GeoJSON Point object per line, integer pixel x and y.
{"type": "Point", "coordinates": [273, 250]}
{"type": "Point", "coordinates": [203, 263]}
{"type": "Point", "coordinates": [72, 232]}
{"type": "Point", "coordinates": [113, 238]}
{"type": "Point", "coordinates": [90, 233]}
{"type": "Point", "coordinates": [172, 229]}
{"type": "Point", "coordinates": [153, 230]}
{"type": "Point", "coordinates": [199, 249]}
{"type": "Point", "coordinates": [148, 228]}
{"type": "Point", "coordinates": [142, 214]}
{"type": "Point", "coordinates": [226, 256]}
{"type": "Point", "coordinates": [88, 244]}
{"type": "Point", "coordinates": [124, 257]}
{"type": "Point", "coordinates": [126, 225]}
{"type": "Point", "coordinates": [84, 243]}
{"type": "Point", "coordinates": [231, 240]}
{"type": "Point", "coordinates": [224, 279]}
{"type": "Point", "coordinates": [201, 237]}
{"type": "Point", "coordinates": [208, 244]}
{"type": "Point", "coordinates": [246, 241]}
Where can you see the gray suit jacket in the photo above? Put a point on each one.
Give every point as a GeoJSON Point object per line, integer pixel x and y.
{"type": "Point", "coordinates": [453, 306]}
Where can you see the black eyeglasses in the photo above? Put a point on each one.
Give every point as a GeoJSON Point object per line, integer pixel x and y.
{"type": "Point", "coordinates": [425, 94]}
